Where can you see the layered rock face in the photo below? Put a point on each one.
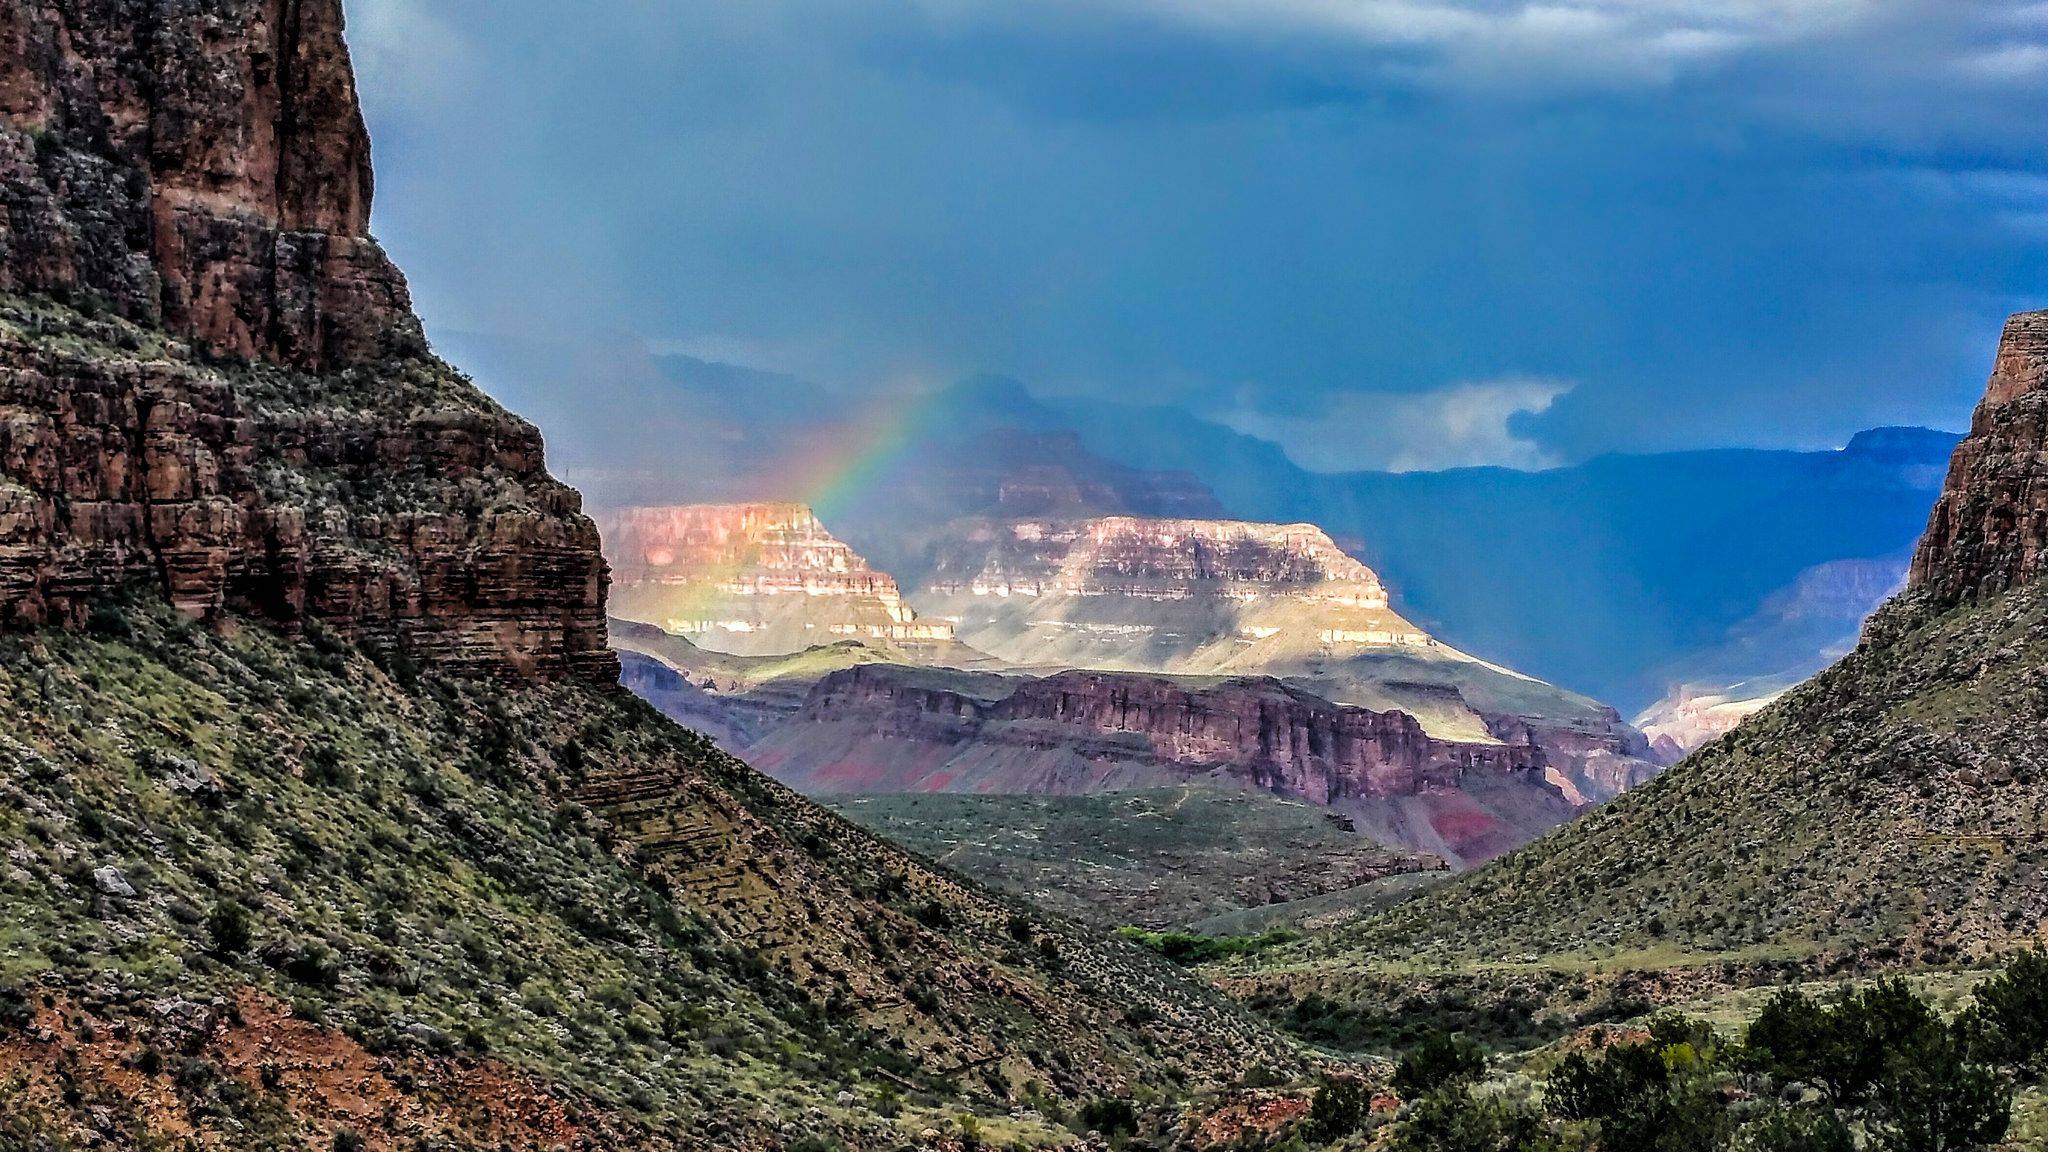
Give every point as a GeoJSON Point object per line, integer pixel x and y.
{"type": "Point", "coordinates": [199, 168]}
{"type": "Point", "coordinates": [1148, 594]}
{"type": "Point", "coordinates": [752, 579]}
{"type": "Point", "coordinates": [878, 728]}
{"type": "Point", "coordinates": [186, 185]}
{"type": "Point", "coordinates": [1989, 531]}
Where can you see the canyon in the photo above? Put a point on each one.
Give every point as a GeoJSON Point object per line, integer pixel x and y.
{"type": "Point", "coordinates": [1106, 653]}
{"type": "Point", "coordinates": [305, 692]}
{"type": "Point", "coordinates": [1888, 811]}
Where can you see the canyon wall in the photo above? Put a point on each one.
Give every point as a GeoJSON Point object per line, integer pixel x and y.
{"type": "Point", "coordinates": [203, 169]}
{"type": "Point", "coordinates": [1989, 531]}
{"type": "Point", "coordinates": [752, 579]}
{"type": "Point", "coordinates": [1154, 594]}
{"type": "Point", "coordinates": [211, 379]}
{"type": "Point", "coordinates": [879, 728]}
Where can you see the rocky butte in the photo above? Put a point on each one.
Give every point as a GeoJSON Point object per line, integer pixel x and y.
{"type": "Point", "coordinates": [1187, 597]}
{"type": "Point", "coordinates": [1147, 594]}
{"type": "Point", "coordinates": [752, 579]}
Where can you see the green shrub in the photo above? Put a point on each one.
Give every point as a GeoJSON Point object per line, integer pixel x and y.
{"type": "Point", "coordinates": [2009, 1024]}
{"type": "Point", "coordinates": [1934, 1099]}
{"type": "Point", "coordinates": [1454, 1121]}
{"type": "Point", "coordinates": [1781, 1129]}
{"type": "Point", "coordinates": [1108, 1116]}
{"type": "Point", "coordinates": [1341, 1107]}
{"type": "Point", "coordinates": [232, 928]}
{"type": "Point", "coordinates": [1440, 1061]}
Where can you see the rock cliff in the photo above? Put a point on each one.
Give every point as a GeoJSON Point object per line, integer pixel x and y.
{"type": "Point", "coordinates": [211, 380]}
{"type": "Point", "coordinates": [753, 579]}
{"type": "Point", "coordinates": [877, 728]}
{"type": "Point", "coordinates": [200, 168]}
{"type": "Point", "coordinates": [1159, 594]}
{"type": "Point", "coordinates": [1989, 531]}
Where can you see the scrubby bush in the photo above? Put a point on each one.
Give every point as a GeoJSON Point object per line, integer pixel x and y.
{"type": "Point", "coordinates": [1453, 1120]}
{"type": "Point", "coordinates": [231, 927]}
{"type": "Point", "coordinates": [1340, 1107]}
{"type": "Point", "coordinates": [1439, 1061]}
{"type": "Point", "coordinates": [1108, 1116]}
{"type": "Point", "coordinates": [2009, 1023]}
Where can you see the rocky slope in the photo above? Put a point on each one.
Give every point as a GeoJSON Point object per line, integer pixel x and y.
{"type": "Point", "coordinates": [754, 580]}
{"type": "Point", "coordinates": [324, 822]}
{"type": "Point", "coordinates": [1893, 807]}
{"type": "Point", "coordinates": [1161, 859]}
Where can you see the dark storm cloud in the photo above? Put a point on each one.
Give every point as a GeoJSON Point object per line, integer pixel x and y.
{"type": "Point", "coordinates": [1411, 232]}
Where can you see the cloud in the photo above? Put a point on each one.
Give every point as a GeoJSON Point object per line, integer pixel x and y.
{"type": "Point", "coordinates": [1493, 44]}
{"type": "Point", "coordinates": [2017, 62]}
{"type": "Point", "coordinates": [1469, 424]}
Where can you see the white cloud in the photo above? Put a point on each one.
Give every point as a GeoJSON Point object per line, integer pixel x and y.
{"type": "Point", "coordinates": [1496, 43]}
{"type": "Point", "coordinates": [2017, 62]}
{"type": "Point", "coordinates": [1464, 425]}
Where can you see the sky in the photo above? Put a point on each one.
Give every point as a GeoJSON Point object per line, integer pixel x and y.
{"type": "Point", "coordinates": [1405, 234]}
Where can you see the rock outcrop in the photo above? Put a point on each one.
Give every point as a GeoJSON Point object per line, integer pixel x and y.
{"type": "Point", "coordinates": [211, 380]}
{"type": "Point", "coordinates": [877, 728]}
{"type": "Point", "coordinates": [1989, 531]}
{"type": "Point", "coordinates": [753, 579]}
{"type": "Point", "coordinates": [1085, 591]}
{"type": "Point", "coordinates": [203, 169]}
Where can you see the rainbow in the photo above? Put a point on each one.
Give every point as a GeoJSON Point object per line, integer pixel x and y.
{"type": "Point", "coordinates": [861, 456]}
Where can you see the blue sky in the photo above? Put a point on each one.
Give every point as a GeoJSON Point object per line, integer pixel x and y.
{"type": "Point", "coordinates": [1386, 233]}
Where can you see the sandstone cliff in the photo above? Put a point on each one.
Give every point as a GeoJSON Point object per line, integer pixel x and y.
{"type": "Point", "coordinates": [753, 579]}
{"type": "Point", "coordinates": [211, 379]}
{"type": "Point", "coordinates": [1989, 531]}
{"type": "Point", "coordinates": [199, 168]}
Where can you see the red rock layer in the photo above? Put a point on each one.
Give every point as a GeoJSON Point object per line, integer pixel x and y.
{"type": "Point", "coordinates": [202, 168]}
{"type": "Point", "coordinates": [1989, 531]}
{"type": "Point", "coordinates": [1277, 737]}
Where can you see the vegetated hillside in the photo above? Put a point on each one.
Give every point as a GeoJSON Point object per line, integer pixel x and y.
{"type": "Point", "coordinates": [1899, 800]}
{"type": "Point", "coordinates": [1164, 858]}
{"type": "Point", "coordinates": [1894, 806]}
{"type": "Point", "coordinates": [537, 885]}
